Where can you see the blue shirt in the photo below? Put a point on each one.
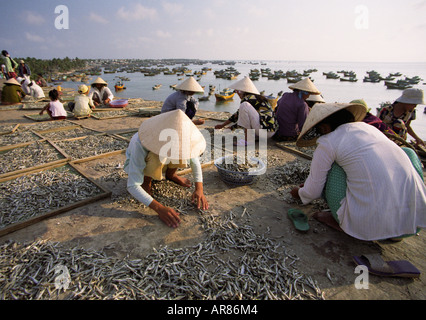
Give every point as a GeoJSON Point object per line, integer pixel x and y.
{"type": "Point", "coordinates": [178, 100]}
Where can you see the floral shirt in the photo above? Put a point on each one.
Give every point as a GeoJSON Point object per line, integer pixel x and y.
{"type": "Point", "coordinates": [398, 124]}
{"type": "Point", "coordinates": [264, 108]}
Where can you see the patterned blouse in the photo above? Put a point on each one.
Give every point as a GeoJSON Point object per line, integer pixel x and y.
{"type": "Point", "coordinates": [264, 108]}
{"type": "Point", "coordinates": [397, 124]}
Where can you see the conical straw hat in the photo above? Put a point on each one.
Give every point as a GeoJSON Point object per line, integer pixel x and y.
{"type": "Point", "coordinates": [305, 85]}
{"type": "Point", "coordinates": [99, 80]}
{"type": "Point", "coordinates": [172, 135]}
{"type": "Point", "coordinates": [12, 81]}
{"type": "Point", "coordinates": [321, 111]}
{"type": "Point", "coordinates": [190, 84]}
{"type": "Point", "coordinates": [411, 96]}
{"type": "Point", "coordinates": [316, 98]}
{"type": "Point", "coordinates": [245, 85]}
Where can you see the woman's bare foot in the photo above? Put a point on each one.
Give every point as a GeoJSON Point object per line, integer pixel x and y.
{"type": "Point", "coordinates": [327, 218]}
{"type": "Point", "coordinates": [171, 175]}
{"type": "Point", "coordinates": [184, 182]}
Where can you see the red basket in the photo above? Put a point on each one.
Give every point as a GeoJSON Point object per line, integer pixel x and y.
{"type": "Point", "coordinates": [121, 103]}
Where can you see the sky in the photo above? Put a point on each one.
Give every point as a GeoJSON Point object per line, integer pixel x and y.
{"type": "Point", "coordinates": [303, 30]}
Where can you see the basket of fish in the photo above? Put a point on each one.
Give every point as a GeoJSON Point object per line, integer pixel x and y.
{"type": "Point", "coordinates": [239, 170]}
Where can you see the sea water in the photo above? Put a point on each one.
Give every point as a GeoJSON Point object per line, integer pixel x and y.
{"type": "Point", "coordinates": [333, 90]}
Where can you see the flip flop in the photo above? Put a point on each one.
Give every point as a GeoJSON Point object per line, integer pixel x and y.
{"type": "Point", "coordinates": [377, 266]}
{"type": "Point", "coordinates": [300, 220]}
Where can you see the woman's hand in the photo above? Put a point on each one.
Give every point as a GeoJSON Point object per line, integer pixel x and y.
{"type": "Point", "coordinates": [199, 198]}
{"type": "Point", "coordinates": [168, 215]}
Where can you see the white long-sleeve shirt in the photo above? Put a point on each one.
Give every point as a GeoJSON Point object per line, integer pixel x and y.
{"type": "Point", "coordinates": [385, 196]}
{"type": "Point", "coordinates": [135, 164]}
{"type": "Point", "coordinates": [105, 92]}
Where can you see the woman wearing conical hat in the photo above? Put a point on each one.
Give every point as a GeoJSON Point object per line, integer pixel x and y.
{"type": "Point", "coordinates": [313, 99]}
{"type": "Point", "coordinates": [254, 112]}
{"type": "Point", "coordinates": [292, 110]}
{"type": "Point", "coordinates": [399, 115]}
{"type": "Point", "coordinates": [183, 99]}
{"type": "Point", "coordinates": [374, 188]}
{"type": "Point", "coordinates": [163, 144]}
{"type": "Point", "coordinates": [100, 93]}
{"type": "Point", "coordinates": [12, 92]}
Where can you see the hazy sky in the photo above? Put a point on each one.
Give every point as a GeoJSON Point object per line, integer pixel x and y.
{"type": "Point", "coordinates": [320, 30]}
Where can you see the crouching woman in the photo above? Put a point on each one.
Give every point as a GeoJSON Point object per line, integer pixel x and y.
{"type": "Point", "coordinates": [370, 184]}
{"type": "Point", "coordinates": [163, 144]}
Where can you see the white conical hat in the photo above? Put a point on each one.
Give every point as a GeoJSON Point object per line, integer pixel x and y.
{"type": "Point", "coordinates": [305, 85]}
{"type": "Point", "coordinates": [316, 98]}
{"type": "Point", "coordinates": [190, 84]}
{"type": "Point", "coordinates": [172, 135]}
{"type": "Point", "coordinates": [12, 81]}
{"type": "Point", "coordinates": [245, 85]}
{"type": "Point", "coordinates": [411, 96]}
{"type": "Point", "coordinates": [99, 80]}
{"type": "Point", "coordinates": [320, 111]}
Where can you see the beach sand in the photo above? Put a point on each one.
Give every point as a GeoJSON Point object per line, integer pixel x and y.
{"type": "Point", "coordinates": [121, 230]}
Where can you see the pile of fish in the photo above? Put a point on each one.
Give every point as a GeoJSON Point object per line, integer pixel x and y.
{"type": "Point", "coordinates": [294, 172]}
{"type": "Point", "coordinates": [238, 164]}
{"type": "Point", "coordinates": [113, 113]}
{"type": "Point", "coordinates": [17, 137]}
{"type": "Point", "coordinates": [68, 134]}
{"type": "Point", "coordinates": [38, 193]}
{"type": "Point", "coordinates": [166, 192]}
{"type": "Point", "coordinates": [91, 146]}
{"type": "Point", "coordinates": [34, 154]}
{"type": "Point", "coordinates": [231, 263]}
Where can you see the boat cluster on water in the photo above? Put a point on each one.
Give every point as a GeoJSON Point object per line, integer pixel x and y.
{"type": "Point", "coordinates": [292, 76]}
{"type": "Point", "coordinates": [375, 77]}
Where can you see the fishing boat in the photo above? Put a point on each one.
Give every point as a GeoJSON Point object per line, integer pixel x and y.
{"type": "Point", "coordinates": [331, 75]}
{"type": "Point", "coordinates": [350, 79]}
{"type": "Point", "coordinates": [156, 87]}
{"type": "Point", "coordinates": [398, 85]}
{"type": "Point", "coordinates": [119, 86]}
{"type": "Point", "coordinates": [293, 80]}
{"type": "Point", "coordinates": [205, 98]}
{"type": "Point", "coordinates": [225, 94]}
{"type": "Point", "coordinates": [371, 79]}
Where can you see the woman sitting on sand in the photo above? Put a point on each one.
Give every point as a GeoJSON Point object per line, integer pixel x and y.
{"type": "Point", "coordinates": [150, 154]}
{"type": "Point", "coordinates": [292, 110]}
{"type": "Point", "coordinates": [82, 105]}
{"type": "Point", "coordinates": [255, 112]}
{"type": "Point", "coordinates": [370, 184]}
{"type": "Point", "coordinates": [399, 115]}
{"type": "Point", "coordinates": [100, 93]}
{"type": "Point", "coordinates": [12, 92]}
{"type": "Point", "coordinates": [55, 108]}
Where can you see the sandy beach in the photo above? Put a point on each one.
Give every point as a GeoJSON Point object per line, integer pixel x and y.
{"type": "Point", "coordinates": [123, 230]}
